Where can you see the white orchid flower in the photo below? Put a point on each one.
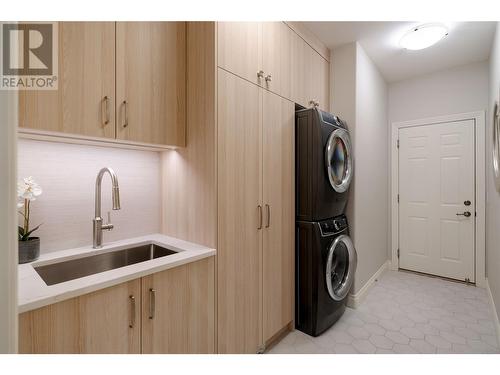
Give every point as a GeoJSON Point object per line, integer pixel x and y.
{"type": "Point", "coordinates": [28, 189]}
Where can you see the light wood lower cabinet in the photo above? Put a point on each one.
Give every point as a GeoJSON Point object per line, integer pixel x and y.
{"type": "Point", "coordinates": [98, 322]}
{"type": "Point", "coordinates": [117, 319]}
{"type": "Point", "coordinates": [178, 310]}
{"type": "Point", "coordinates": [255, 214]}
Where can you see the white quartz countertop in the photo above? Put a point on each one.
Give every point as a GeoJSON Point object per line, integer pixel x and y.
{"type": "Point", "coordinates": [34, 292]}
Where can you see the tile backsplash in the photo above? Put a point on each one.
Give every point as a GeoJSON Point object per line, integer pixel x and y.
{"type": "Point", "coordinates": [67, 175]}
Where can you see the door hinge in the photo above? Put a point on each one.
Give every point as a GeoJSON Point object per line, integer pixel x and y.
{"type": "Point", "coordinates": [397, 143]}
{"type": "Point", "coordinates": [398, 253]}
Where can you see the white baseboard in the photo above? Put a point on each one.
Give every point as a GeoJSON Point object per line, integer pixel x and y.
{"type": "Point", "coordinates": [495, 314]}
{"type": "Point", "coordinates": [354, 300]}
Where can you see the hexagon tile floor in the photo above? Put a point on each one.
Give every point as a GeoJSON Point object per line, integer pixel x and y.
{"type": "Point", "coordinates": [407, 313]}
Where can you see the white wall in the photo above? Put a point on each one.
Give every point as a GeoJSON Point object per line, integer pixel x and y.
{"type": "Point", "coordinates": [360, 98]}
{"type": "Point", "coordinates": [371, 214]}
{"type": "Point", "coordinates": [8, 230]}
{"type": "Point", "coordinates": [492, 195]}
{"type": "Point", "coordinates": [67, 175]}
{"type": "Point", "coordinates": [457, 90]}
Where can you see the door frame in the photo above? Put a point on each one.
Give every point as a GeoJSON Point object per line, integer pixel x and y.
{"type": "Point", "coordinates": [8, 221]}
{"type": "Point", "coordinates": [480, 186]}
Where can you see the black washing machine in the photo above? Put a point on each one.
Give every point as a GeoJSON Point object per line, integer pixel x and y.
{"type": "Point", "coordinates": [324, 165]}
{"type": "Point", "coordinates": [325, 266]}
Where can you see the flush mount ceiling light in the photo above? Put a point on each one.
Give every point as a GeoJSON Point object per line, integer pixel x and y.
{"type": "Point", "coordinates": [423, 36]}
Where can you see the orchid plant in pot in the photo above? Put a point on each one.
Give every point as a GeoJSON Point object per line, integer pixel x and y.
{"type": "Point", "coordinates": [29, 247]}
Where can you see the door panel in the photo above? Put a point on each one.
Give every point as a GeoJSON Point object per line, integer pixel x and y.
{"type": "Point", "coordinates": [436, 177]}
{"type": "Point", "coordinates": [239, 49]}
{"type": "Point", "coordinates": [277, 56]}
{"type": "Point", "coordinates": [151, 79]}
{"type": "Point", "coordinates": [301, 71]}
{"type": "Point", "coordinates": [279, 196]}
{"type": "Point", "coordinates": [180, 317]}
{"type": "Point", "coordinates": [86, 67]}
{"type": "Point", "coordinates": [239, 250]}
{"type": "Point", "coordinates": [319, 89]}
{"type": "Point", "coordinates": [96, 323]}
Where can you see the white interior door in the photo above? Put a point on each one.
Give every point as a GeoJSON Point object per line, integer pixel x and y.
{"type": "Point", "coordinates": [436, 193]}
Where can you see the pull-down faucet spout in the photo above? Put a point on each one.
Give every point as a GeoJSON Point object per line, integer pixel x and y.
{"type": "Point", "coordinates": [115, 191]}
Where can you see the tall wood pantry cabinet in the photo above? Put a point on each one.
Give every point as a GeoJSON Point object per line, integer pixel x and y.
{"type": "Point", "coordinates": [244, 80]}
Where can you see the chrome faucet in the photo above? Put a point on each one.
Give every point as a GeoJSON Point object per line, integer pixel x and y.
{"type": "Point", "coordinates": [98, 225]}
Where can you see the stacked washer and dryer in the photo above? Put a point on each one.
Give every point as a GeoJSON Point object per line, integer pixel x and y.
{"type": "Point", "coordinates": [325, 255]}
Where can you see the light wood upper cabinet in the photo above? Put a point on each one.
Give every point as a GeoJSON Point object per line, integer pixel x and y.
{"type": "Point", "coordinates": [106, 321]}
{"type": "Point", "coordinates": [178, 310]}
{"type": "Point", "coordinates": [319, 89]}
{"type": "Point", "coordinates": [239, 195]}
{"type": "Point", "coordinates": [239, 49]}
{"type": "Point", "coordinates": [277, 57]}
{"type": "Point", "coordinates": [279, 213]}
{"type": "Point", "coordinates": [86, 73]}
{"type": "Point", "coordinates": [301, 71]}
{"type": "Point", "coordinates": [151, 82]}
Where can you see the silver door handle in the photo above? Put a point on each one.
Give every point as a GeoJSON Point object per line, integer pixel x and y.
{"type": "Point", "coordinates": [152, 303]}
{"type": "Point", "coordinates": [132, 311]}
{"type": "Point", "coordinates": [259, 208]}
{"type": "Point", "coordinates": [466, 214]}
{"type": "Point", "coordinates": [268, 78]}
{"type": "Point", "coordinates": [125, 104]}
{"type": "Point", "coordinates": [105, 111]}
{"type": "Point", "coordinates": [260, 74]}
{"type": "Point", "coordinates": [268, 221]}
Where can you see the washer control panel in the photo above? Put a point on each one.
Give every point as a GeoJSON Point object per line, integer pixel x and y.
{"type": "Point", "coordinates": [332, 226]}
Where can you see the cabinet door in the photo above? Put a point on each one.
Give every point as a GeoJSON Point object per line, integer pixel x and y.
{"type": "Point", "coordinates": [301, 71]}
{"type": "Point", "coordinates": [84, 102]}
{"type": "Point", "coordinates": [178, 312]}
{"type": "Point", "coordinates": [239, 49]}
{"type": "Point", "coordinates": [277, 57]}
{"type": "Point", "coordinates": [106, 321]}
{"type": "Point", "coordinates": [279, 196]}
{"type": "Point", "coordinates": [239, 218]}
{"type": "Point", "coordinates": [151, 82]}
{"type": "Point", "coordinates": [319, 86]}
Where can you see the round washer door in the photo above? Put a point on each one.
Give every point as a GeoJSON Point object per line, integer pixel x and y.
{"type": "Point", "coordinates": [340, 267]}
{"type": "Point", "coordinates": [338, 160]}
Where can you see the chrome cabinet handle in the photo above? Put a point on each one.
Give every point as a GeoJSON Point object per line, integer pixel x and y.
{"type": "Point", "coordinates": [260, 74]}
{"type": "Point", "coordinates": [132, 311]}
{"type": "Point", "coordinates": [152, 303]}
{"type": "Point", "coordinates": [268, 220]}
{"type": "Point", "coordinates": [259, 207]}
{"type": "Point", "coordinates": [105, 111]}
{"type": "Point", "coordinates": [125, 104]}
{"type": "Point", "coordinates": [268, 78]}
{"type": "Point", "coordinates": [466, 214]}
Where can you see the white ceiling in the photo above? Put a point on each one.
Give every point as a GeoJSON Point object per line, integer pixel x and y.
{"type": "Point", "coordinates": [466, 42]}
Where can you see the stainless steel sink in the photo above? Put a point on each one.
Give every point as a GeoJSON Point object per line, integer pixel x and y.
{"type": "Point", "coordinates": [74, 269]}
